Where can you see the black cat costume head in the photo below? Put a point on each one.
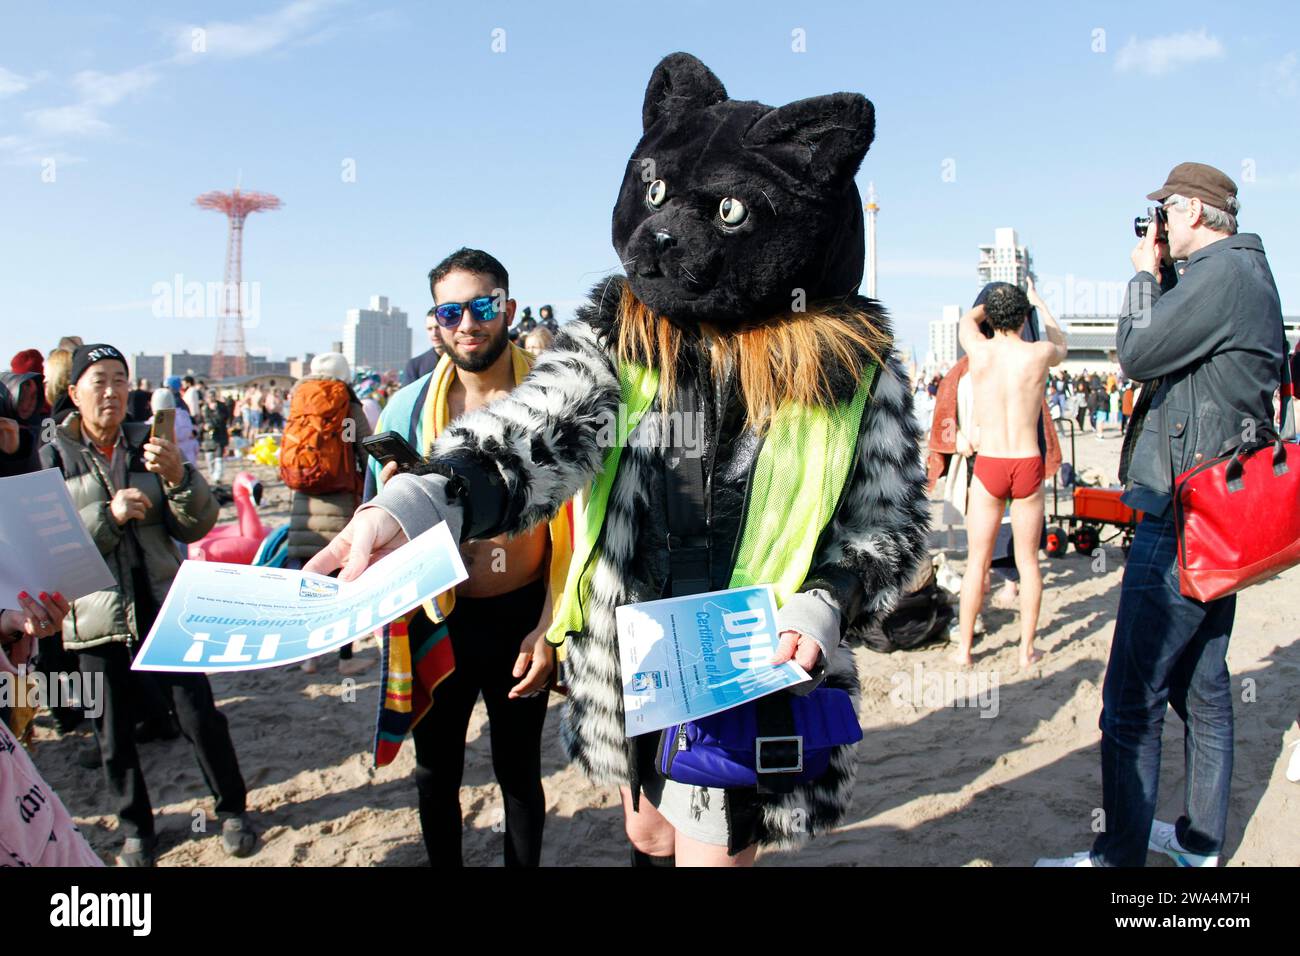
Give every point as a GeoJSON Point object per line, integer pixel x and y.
{"type": "Point", "coordinates": [732, 211]}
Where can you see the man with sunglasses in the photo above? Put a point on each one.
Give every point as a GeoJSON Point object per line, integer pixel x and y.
{"type": "Point", "coordinates": [487, 636]}
{"type": "Point", "coordinates": [1202, 327]}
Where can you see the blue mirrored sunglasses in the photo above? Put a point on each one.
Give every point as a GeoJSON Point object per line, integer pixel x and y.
{"type": "Point", "coordinates": [449, 314]}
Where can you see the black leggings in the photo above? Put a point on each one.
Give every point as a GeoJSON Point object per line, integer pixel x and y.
{"type": "Point", "coordinates": [485, 638]}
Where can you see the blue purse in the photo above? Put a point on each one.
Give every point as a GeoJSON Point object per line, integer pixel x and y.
{"type": "Point", "coordinates": [771, 743]}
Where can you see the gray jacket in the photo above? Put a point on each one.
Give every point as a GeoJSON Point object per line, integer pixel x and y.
{"type": "Point", "coordinates": [186, 512]}
{"type": "Point", "coordinates": [1209, 345]}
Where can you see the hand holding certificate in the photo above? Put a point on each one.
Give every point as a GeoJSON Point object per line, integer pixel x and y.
{"type": "Point", "coordinates": [233, 617]}
{"type": "Point", "coordinates": [687, 657]}
{"type": "Point", "coordinates": [39, 520]}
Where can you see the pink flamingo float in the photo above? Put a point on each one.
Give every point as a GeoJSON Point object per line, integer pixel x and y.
{"type": "Point", "coordinates": [235, 543]}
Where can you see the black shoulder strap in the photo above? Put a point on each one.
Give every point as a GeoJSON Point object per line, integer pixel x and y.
{"type": "Point", "coordinates": [778, 748]}
{"type": "Point", "coordinates": [687, 512]}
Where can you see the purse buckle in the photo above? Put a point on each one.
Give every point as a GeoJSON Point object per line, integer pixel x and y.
{"type": "Point", "coordinates": [762, 767]}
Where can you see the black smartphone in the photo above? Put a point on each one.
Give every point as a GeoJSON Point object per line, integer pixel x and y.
{"type": "Point", "coordinates": [390, 446]}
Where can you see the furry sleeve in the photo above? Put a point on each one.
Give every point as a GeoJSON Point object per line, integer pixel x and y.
{"type": "Point", "coordinates": [527, 453]}
{"type": "Point", "coordinates": [878, 535]}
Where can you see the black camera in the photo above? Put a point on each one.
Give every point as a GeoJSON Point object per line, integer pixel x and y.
{"type": "Point", "coordinates": [1140, 223]}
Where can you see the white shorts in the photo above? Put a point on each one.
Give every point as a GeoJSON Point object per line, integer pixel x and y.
{"type": "Point", "coordinates": [698, 812]}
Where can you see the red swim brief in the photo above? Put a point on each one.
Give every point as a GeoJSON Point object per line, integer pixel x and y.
{"type": "Point", "coordinates": [1009, 477]}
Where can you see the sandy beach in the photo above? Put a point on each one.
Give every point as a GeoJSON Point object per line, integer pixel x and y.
{"type": "Point", "coordinates": [937, 785]}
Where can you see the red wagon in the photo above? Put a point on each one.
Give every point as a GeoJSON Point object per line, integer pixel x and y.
{"type": "Point", "coordinates": [1095, 510]}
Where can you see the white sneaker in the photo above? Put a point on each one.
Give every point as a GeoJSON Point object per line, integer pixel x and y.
{"type": "Point", "coordinates": [1083, 858]}
{"type": "Point", "coordinates": [1293, 768]}
{"type": "Point", "coordinates": [1164, 839]}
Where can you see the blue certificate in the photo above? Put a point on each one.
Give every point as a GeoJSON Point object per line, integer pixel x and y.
{"type": "Point", "coordinates": [688, 657]}
{"type": "Point", "coordinates": [234, 617]}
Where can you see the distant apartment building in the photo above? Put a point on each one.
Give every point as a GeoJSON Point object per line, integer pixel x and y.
{"type": "Point", "coordinates": [158, 368]}
{"type": "Point", "coordinates": [1005, 260]}
{"type": "Point", "coordinates": [148, 367]}
{"type": "Point", "coordinates": [257, 365]}
{"type": "Point", "coordinates": [377, 338]}
{"type": "Point", "coordinates": [301, 367]}
{"type": "Point", "coordinates": [944, 350]}
{"type": "Point", "coordinates": [186, 363]}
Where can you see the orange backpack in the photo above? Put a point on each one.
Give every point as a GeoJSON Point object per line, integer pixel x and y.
{"type": "Point", "coordinates": [316, 456]}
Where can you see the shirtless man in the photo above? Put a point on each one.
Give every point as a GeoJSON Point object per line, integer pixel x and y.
{"type": "Point", "coordinates": [498, 625]}
{"type": "Point", "coordinates": [1008, 376]}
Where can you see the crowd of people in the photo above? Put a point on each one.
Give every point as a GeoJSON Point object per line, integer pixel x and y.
{"type": "Point", "coordinates": [143, 497]}
{"type": "Point", "coordinates": [1202, 306]}
{"type": "Point", "coordinates": [152, 496]}
{"type": "Point", "coordinates": [1091, 399]}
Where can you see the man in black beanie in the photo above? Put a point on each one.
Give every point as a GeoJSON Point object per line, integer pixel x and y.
{"type": "Point", "coordinates": [136, 494]}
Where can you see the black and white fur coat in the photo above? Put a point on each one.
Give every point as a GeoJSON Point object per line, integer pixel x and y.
{"type": "Point", "coordinates": [542, 440]}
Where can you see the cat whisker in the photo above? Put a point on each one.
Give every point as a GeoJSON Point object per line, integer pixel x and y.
{"type": "Point", "coordinates": [595, 272]}
{"type": "Point", "coordinates": [769, 200]}
{"type": "Point", "coordinates": [601, 304]}
{"type": "Point", "coordinates": [688, 274]}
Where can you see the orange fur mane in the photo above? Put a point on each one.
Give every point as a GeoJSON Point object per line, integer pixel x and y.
{"type": "Point", "coordinates": [790, 357]}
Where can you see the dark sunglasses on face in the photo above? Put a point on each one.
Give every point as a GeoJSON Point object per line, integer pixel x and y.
{"type": "Point", "coordinates": [449, 314]}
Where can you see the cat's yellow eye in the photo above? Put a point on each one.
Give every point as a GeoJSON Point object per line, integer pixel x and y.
{"type": "Point", "coordinates": [732, 211]}
{"type": "Point", "coordinates": [657, 193]}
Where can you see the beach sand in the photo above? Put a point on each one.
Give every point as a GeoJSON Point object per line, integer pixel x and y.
{"type": "Point", "coordinates": [937, 785]}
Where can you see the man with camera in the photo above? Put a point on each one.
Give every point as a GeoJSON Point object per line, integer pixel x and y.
{"type": "Point", "coordinates": [136, 493]}
{"type": "Point", "coordinates": [1202, 327]}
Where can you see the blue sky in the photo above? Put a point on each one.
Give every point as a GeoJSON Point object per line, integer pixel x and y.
{"type": "Point", "coordinates": [987, 115]}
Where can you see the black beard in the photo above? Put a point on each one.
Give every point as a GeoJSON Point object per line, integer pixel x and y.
{"type": "Point", "coordinates": [481, 361]}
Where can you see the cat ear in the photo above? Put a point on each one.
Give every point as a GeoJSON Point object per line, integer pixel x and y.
{"type": "Point", "coordinates": [679, 82]}
{"type": "Point", "coordinates": [824, 136]}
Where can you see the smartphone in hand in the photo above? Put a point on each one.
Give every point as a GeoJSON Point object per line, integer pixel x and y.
{"type": "Point", "coordinates": [390, 446]}
{"type": "Point", "coordinates": [164, 424]}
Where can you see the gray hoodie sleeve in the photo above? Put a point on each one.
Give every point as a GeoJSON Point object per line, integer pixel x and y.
{"type": "Point", "coordinates": [418, 502]}
{"type": "Point", "coordinates": [816, 614]}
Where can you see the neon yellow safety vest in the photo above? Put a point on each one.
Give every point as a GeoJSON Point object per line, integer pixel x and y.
{"type": "Point", "coordinates": [801, 470]}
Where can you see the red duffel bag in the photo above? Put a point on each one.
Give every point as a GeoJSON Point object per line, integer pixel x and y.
{"type": "Point", "coordinates": [1238, 519]}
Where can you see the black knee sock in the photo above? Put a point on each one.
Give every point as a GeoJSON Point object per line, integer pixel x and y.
{"type": "Point", "coordinates": [640, 859]}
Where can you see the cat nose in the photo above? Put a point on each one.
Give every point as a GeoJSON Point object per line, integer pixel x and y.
{"type": "Point", "coordinates": [664, 241]}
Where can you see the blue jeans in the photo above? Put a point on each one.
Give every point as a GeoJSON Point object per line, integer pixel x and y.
{"type": "Point", "coordinates": [1168, 650]}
